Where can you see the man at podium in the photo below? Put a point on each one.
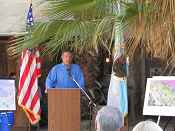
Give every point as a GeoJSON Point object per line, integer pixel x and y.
{"type": "Point", "coordinates": [65, 74]}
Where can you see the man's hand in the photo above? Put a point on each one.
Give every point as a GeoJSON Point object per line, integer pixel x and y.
{"type": "Point", "coordinates": [45, 91]}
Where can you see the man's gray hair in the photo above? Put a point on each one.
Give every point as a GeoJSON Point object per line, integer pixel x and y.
{"type": "Point", "coordinates": [147, 126]}
{"type": "Point", "coordinates": [109, 118]}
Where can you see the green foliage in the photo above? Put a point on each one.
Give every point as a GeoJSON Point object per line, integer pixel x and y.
{"type": "Point", "coordinates": [81, 25]}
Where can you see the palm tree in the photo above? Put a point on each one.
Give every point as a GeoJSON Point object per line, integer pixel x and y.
{"type": "Point", "coordinates": [78, 24]}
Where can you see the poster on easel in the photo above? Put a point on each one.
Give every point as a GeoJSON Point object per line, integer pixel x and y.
{"type": "Point", "coordinates": [160, 96]}
{"type": "Point", "coordinates": [7, 94]}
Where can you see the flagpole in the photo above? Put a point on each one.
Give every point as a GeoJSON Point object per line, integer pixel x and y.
{"type": "Point", "coordinates": [29, 2]}
{"type": "Point", "coordinates": [38, 128]}
{"type": "Point", "coordinates": [29, 126]}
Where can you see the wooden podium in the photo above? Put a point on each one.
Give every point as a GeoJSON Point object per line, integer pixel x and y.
{"type": "Point", "coordinates": [64, 109]}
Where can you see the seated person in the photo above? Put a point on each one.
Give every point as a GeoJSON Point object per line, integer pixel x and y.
{"type": "Point", "coordinates": [109, 119]}
{"type": "Point", "coordinates": [147, 126]}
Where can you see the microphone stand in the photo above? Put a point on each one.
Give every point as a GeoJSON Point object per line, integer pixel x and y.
{"type": "Point", "coordinates": [91, 103]}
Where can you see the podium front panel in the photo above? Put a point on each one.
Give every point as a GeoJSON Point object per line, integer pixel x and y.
{"type": "Point", "coordinates": [64, 109]}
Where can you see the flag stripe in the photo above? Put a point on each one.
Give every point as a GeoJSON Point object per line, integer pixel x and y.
{"type": "Point", "coordinates": [35, 109]}
{"type": "Point", "coordinates": [24, 61]}
{"type": "Point", "coordinates": [32, 117]}
{"type": "Point", "coordinates": [28, 92]}
{"type": "Point", "coordinates": [25, 69]}
{"type": "Point", "coordinates": [34, 101]}
{"type": "Point", "coordinates": [32, 94]}
{"type": "Point", "coordinates": [26, 81]}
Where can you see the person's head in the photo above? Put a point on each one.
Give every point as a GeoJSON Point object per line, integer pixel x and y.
{"type": "Point", "coordinates": [67, 57]}
{"type": "Point", "coordinates": [147, 126]}
{"type": "Point", "coordinates": [109, 119]}
{"type": "Point", "coordinates": [12, 75]}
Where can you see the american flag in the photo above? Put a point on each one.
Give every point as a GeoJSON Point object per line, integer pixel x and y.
{"type": "Point", "coordinates": [30, 71]}
{"type": "Point", "coordinates": [30, 21]}
{"type": "Point", "coordinates": [28, 90]}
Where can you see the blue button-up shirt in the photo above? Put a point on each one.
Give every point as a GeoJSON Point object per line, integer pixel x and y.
{"type": "Point", "coordinates": [59, 77]}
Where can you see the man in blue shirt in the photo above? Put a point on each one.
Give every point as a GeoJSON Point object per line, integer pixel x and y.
{"type": "Point", "coordinates": [62, 75]}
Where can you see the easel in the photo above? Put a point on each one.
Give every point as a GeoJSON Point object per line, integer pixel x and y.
{"type": "Point", "coordinates": [158, 122]}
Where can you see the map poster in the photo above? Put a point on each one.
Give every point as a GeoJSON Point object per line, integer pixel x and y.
{"type": "Point", "coordinates": [160, 96]}
{"type": "Point", "coordinates": [7, 94]}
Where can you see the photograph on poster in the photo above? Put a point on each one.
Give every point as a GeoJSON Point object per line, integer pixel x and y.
{"type": "Point", "coordinates": [160, 96]}
{"type": "Point", "coordinates": [7, 94]}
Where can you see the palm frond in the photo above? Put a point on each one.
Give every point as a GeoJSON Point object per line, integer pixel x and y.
{"type": "Point", "coordinates": [56, 35]}
{"type": "Point", "coordinates": [76, 23]}
{"type": "Point", "coordinates": [80, 9]}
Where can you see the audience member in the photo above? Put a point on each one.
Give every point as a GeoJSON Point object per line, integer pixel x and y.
{"type": "Point", "coordinates": [147, 126]}
{"type": "Point", "coordinates": [109, 119]}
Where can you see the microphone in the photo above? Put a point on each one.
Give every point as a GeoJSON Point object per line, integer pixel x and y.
{"type": "Point", "coordinates": [68, 68]}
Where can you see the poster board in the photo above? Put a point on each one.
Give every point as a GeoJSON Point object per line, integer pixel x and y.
{"type": "Point", "coordinates": [160, 96]}
{"type": "Point", "coordinates": [7, 94]}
